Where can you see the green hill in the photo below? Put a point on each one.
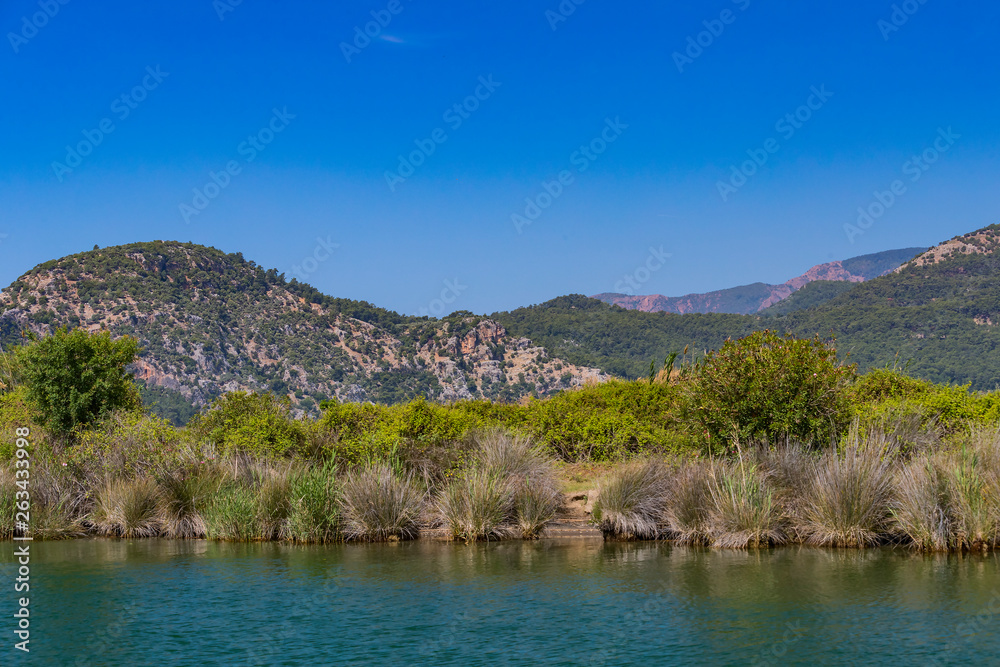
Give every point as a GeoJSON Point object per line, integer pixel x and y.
{"type": "Point", "coordinates": [939, 313]}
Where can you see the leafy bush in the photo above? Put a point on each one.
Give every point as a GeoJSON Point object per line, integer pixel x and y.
{"type": "Point", "coordinates": [73, 378]}
{"type": "Point", "coordinates": [769, 387]}
{"type": "Point", "coordinates": [257, 424]}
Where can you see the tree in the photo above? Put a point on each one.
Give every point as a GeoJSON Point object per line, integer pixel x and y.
{"type": "Point", "coordinates": [73, 378]}
{"type": "Point", "coordinates": [766, 387]}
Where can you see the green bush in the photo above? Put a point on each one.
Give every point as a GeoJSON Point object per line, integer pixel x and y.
{"type": "Point", "coordinates": [74, 378]}
{"type": "Point", "coordinates": [768, 387]}
{"type": "Point", "coordinates": [258, 424]}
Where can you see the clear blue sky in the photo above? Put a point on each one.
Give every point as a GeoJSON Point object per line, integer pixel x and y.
{"type": "Point", "coordinates": [555, 83]}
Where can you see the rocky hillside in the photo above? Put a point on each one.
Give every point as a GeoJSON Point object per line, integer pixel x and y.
{"type": "Point", "coordinates": [211, 323]}
{"type": "Point", "coordinates": [748, 299]}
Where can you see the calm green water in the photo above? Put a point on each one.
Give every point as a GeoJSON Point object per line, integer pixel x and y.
{"type": "Point", "coordinates": [154, 602]}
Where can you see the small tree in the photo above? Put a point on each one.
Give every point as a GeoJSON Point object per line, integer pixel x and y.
{"type": "Point", "coordinates": [73, 378]}
{"type": "Point", "coordinates": [766, 386]}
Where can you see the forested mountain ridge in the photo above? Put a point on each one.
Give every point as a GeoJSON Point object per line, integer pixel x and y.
{"type": "Point", "coordinates": [211, 322]}
{"type": "Point", "coordinates": [939, 313]}
{"type": "Point", "coordinates": [756, 297]}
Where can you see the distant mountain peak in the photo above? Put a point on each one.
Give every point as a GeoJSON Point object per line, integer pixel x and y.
{"type": "Point", "coordinates": [753, 298]}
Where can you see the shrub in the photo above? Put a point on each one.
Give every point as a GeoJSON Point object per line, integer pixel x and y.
{"type": "Point", "coordinates": [73, 378]}
{"type": "Point", "coordinates": [769, 387]}
{"type": "Point", "coordinates": [256, 424]}
{"type": "Point", "coordinates": [128, 508]}
{"type": "Point", "coordinates": [381, 505]}
{"type": "Point", "coordinates": [126, 444]}
{"type": "Point", "coordinates": [632, 501]}
{"type": "Point", "coordinates": [744, 511]}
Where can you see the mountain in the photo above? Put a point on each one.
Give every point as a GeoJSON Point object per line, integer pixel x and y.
{"type": "Point", "coordinates": [211, 322]}
{"type": "Point", "coordinates": [938, 314]}
{"type": "Point", "coordinates": [753, 298]}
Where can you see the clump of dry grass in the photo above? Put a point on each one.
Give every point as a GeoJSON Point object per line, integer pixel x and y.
{"type": "Point", "coordinates": [631, 501]}
{"type": "Point", "coordinates": [479, 505]}
{"type": "Point", "coordinates": [744, 511]}
{"type": "Point", "coordinates": [187, 492]}
{"type": "Point", "coordinates": [685, 514]}
{"type": "Point", "coordinates": [509, 489]}
{"type": "Point", "coordinates": [849, 500]}
{"type": "Point", "coordinates": [128, 508]}
{"type": "Point", "coordinates": [920, 509]}
{"type": "Point", "coordinates": [381, 505]}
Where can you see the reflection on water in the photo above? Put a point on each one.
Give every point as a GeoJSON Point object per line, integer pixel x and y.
{"type": "Point", "coordinates": [161, 602]}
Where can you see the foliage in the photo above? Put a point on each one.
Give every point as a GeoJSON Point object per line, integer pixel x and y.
{"type": "Point", "coordinates": [769, 387]}
{"type": "Point", "coordinates": [73, 378]}
{"type": "Point", "coordinates": [258, 424]}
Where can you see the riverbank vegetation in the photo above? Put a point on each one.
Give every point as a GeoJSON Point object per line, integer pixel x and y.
{"type": "Point", "coordinates": [768, 440]}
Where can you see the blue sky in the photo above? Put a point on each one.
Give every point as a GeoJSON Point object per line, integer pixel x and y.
{"type": "Point", "coordinates": [643, 109]}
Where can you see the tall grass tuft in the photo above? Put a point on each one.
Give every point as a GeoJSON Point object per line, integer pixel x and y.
{"type": "Point", "coordinates": [686, 512]}
{"type": "Point", "coordinates": [529, 473]}
{"type": "Point", "coordinates": [631, 502]}
{"type": "Point", "coordinates": [381, 504]}
{"type": "Point", "coordinates": [744, 511]}
{"type": "Point", "coordinates": [478, 506]}
{"type": "Point", "coordinates": [535, 504]}
{"type": "Point", "coordinates": [315, 505]}
{"type": "Point", "coordinates": [128, 508]}
{"type": "Point", "coordinates": [232, 514]}
{"type": "Point", "coordinates": [973, 501]}
{"type": "Point", "coordinates": [187, 493]}
{"type": "Point", "coordinates": [8, 500]}
{"type": "Point", "coordinates": [921, 510]}
{"type": "Point", "coordinates": [849, 501]}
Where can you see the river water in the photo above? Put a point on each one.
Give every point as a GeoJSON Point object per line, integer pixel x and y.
{"type": "Point", "coordinates": [573, 602]}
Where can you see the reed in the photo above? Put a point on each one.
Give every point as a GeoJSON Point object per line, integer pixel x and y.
{"type": "Point", "coordinates": [478, 506]}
